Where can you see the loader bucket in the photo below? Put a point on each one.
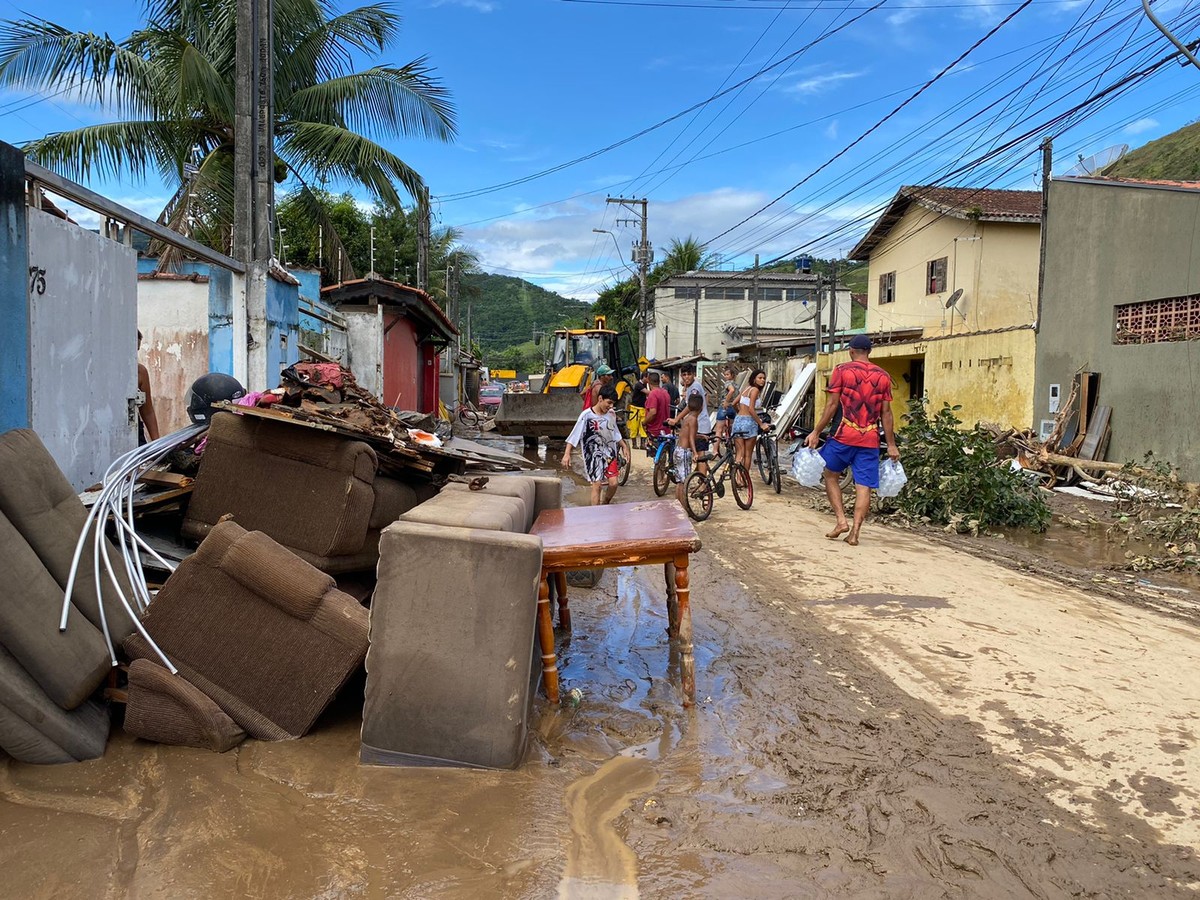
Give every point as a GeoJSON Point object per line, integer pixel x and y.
{"type": "Point", "coordinates": [550, 415]}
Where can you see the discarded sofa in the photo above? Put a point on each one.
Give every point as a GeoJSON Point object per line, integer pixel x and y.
{"type": "Point", "coordinates": [316, 493]}
{"type": "Point", "coordinates": [263, 635]}
{"type": "Point", "coordinates": [48, 677]}
{"type": "Point", "coordinates": [453, 622]}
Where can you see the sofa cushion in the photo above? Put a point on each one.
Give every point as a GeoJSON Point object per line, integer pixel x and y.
{"type": "Point", "coordinates": [393, 498]}
{"type": "Point", "coordinates": [271, 671]}
{"type": "Point", "coordinates": [68, 665]}
{"type": "Point", "coordinates": [452, 630]}
{"type": "Point", "coordinates": [35, 729]}
{"type": "Point", "coordinates": [167, 709]}
{"type": "Point", "coordinates": [40, 502]}
{"type": "Point", "coordinates": [508, 486]}
{"type": "Point", "coordinates": [305, 488]}
{"type": "Point", "coordinates": [471, 509]}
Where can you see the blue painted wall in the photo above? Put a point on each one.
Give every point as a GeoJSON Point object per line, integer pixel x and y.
{"type": "Point", "coordinates": [283, 328]}
{"type": "Point", "coordinates": [14, 293]}
{"type": "Point", "coordinates": [310, 283]}
{"type": "Point", "coordinates": [147, 264]}
{"type": "Point", "coordinates": [220, 321]}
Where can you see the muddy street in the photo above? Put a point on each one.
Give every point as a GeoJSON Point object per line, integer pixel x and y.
{"type": "Point", "coordinates": [900, 719]}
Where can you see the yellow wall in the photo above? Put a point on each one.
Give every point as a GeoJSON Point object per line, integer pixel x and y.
{"type": "Point", "coordinates": [989, 375]}
{"type": "Point", "coordinates": [995, 263]}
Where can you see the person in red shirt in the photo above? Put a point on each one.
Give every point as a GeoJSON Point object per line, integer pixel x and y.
{"type": "Point", "coordinates": [864, 393]}
{"type": "Point", "coordinates": [658, 410]}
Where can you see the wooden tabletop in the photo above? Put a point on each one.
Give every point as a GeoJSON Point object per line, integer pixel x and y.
{"type": "Point", "coordinates": [617, 531]}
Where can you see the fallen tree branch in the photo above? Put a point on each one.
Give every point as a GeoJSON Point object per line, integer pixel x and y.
{"type": "Point", "coordinates": [1099, 465]}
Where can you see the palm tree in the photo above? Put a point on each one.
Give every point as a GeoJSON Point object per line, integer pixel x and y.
{"type": "Point", "coordinates": [172, 84]}
{"type": "Point", "coordinates": [687, 255]}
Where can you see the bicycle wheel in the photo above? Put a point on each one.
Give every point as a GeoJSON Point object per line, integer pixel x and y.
{"type": "Point", "coordinates": [662, 471]}
{"type": "Point", "coordinates": [623, 467]}
{"type": "Point", "coordinates": [468, 416]}
{"type": "Point", "coordinates": [776, 473]}
{"type": "Point", "coordinates": [762, 456]}
{"type": "Point", "coordinates": [743, 486]}
{"type": "Point", "coordinates": [698, 496]}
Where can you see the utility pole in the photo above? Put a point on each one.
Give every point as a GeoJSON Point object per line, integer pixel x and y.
{"type": "Point", "coordinates": [1047, 162]}
{"type": "Point", "coordinates": [254, 191]}
{"type": "Point", "coordinates": [696, 324]}
{"type": "Point", "coordinates": [423, 240]}
{"type": "Point", "coordinates": [833, 306]}
{"type": "Point", "coordinates": [754, 296]}
{"type": "Point", "coordinates": [643, 255]}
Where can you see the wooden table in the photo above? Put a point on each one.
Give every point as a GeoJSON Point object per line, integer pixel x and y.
{"type": "Point", "coordinates": [620, 534]}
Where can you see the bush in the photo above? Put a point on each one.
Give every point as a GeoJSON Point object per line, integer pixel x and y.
{"type": "Point", "coordinates": [956, 480]}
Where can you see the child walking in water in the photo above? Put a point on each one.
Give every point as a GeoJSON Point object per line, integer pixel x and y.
{"type": "Point", "coordinates": [685, 444]}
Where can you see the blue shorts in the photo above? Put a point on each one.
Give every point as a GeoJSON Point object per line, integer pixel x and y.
{"type": "Point", "coordinates": [862, 461]}
{"type": "Point", "coordinates": [745, 427]}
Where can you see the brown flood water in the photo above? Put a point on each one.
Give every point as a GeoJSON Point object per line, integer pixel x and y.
{"type": "Point", "coordinates": [801, 772]}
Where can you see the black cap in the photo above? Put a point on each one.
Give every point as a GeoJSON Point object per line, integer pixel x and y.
{"type": "Point", "coordinates": [860, 342]}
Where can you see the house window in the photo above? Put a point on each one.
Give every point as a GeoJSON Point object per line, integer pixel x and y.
{"type": "Point", "coordinates": [687, 293]}
{"type": "Point", "coordinates": [935, 276]}
{"type": "Point", "coordinates": [1158, 321]}
{"type": "Point", "coordinates": [887, 287]}
{"type": "Point", "coordinates": [724, 293]}
{"type": "Point", "coordinates": [766, 294]}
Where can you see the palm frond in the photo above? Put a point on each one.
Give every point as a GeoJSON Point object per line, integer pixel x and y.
{"type": "Point", "coordinates": [315, 149]}
{"type": "Point", "coordinates": [324, 49]}
{"type": "Point", "coordinates": [402, 100]}
{"type": "Point", "coordinates": [107, 149]}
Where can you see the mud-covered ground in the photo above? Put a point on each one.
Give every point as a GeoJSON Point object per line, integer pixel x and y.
{"type": "Point", "coordinates": [898, 719]}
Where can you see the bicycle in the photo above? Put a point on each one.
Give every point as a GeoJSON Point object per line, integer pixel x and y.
{"type": "Point", "coordinates": [624, 464]}
{"type": "Point", "coordinates": [469, 415]}
{"type": "Point", "coordinates": [664, 464]}
{"type": "Point", "coordinates": [766, 457]}
{"type": "Point", "coordinates": [700, 488]}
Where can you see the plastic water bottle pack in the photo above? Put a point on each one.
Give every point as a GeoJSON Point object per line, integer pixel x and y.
{"type": "Point", "coordinates": [808, 467]}
{"type": "Point", "coordinates": [891, 478]}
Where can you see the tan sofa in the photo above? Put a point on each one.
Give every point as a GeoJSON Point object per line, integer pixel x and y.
{"type": "Point", "coordinates": [314, 492]}
{"type": "Point", "coordinates": [453, 621]}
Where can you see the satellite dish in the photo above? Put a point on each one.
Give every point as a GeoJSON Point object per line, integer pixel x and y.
{"type": "Point", "coordinates": [1097, 162]}
{"type": "Point", "coordinates": [954, 298]}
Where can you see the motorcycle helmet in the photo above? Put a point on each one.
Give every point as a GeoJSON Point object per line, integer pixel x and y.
{"type": "Point", "coordinates": [209, 389]}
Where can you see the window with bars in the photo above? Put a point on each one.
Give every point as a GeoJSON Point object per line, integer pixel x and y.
{"type": "Point", "coordinates": [724, 293]}
{"type": "Point", "coordinates": [767, 293]}
{"type": "Point", "coordinates": [687, 293]}
{"type": "Point", "coordinates": [887, 287]}
{"type": "Point", "coordinates": [935, 276]}
{"type": "Point", "coordinates": [1158, 321]}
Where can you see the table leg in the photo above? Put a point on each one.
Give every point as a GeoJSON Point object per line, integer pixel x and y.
{"type": "Point", "coordinates": [687, 664]}
{"type": "Point", "coordinates": [564, 611]}
{"type": "Point", "coordinates": [546, 639]}
{"type": "Point", "coordinates": [672, 601]}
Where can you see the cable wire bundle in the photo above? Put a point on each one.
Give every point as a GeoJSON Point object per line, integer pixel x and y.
{"type": "Point", "coordinates": [116, 501]}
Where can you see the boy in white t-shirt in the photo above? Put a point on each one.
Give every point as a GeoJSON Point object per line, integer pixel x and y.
{"type": "Point", "coordinates": [598, 437]}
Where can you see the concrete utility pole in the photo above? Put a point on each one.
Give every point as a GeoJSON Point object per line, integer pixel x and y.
{"type": "Point", "coordinates": [754, 298]}
{"type": "Point", "coordinates": [1047, 162]}
{"type": "Point", "coordinates": [254, 191]}
{"type": "Point", "coordinates": [696, 324]}
{"type": "Point", "coordinates": [643, 255]}
{"type": "Point", "coordinates": [423, 240]}
{"type": "Point", "coordinates": [833, 306]}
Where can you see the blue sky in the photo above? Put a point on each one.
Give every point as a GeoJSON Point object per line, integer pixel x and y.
{"type": "Point", "coordinates": [809, 114]}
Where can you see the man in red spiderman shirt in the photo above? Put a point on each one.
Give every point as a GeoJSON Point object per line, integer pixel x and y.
{"type": "Point", "coordinates": [864, 393]}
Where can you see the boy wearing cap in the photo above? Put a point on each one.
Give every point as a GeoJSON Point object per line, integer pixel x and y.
{"type": "Point", "coordinates": [604, 378]}
{"type": "Point", "coordinates": [864, 392]}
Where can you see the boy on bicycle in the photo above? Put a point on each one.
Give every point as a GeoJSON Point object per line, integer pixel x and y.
{"type": "Point", "coordinates": [688, 423]}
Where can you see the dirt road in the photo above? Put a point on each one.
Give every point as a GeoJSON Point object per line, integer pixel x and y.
{"type": "Point", "coordinates": [894, 720]}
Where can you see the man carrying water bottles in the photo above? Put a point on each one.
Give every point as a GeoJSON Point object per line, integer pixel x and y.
{"type": "Point", "coordinates": [863, 391]}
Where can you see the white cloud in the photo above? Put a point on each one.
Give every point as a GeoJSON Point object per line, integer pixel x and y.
{"type": "Point", "coordinates": [483, 6]}
{"type": "Point", "coordinates": [831, 130]}
{"type": "Point", "coordinates": [1140, 126]}
{"type": "Point", "coordinates": [818, 84]}
{"type": "Point", "coordinates": [146, 206]}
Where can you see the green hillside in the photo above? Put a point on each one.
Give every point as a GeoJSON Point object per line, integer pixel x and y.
{"type": "Point", "coordinates": [507, 310]}
{"type": "Point", "coordinates": [1174, 157]}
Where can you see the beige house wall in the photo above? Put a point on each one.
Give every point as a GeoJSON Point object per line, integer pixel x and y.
{"type": "Point", "coordinates": [995, 264]}
{"type": "Point", "coordinates": [991, 376]}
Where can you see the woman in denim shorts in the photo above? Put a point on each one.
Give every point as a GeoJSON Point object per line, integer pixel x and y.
{"type": "Point", "coordinates": [746, 424]}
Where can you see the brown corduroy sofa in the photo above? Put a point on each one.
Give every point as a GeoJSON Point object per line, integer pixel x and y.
{"type": "Point", "coordinates": [264, 636]}
{"type": "Point", "coordinates": [316, 493]}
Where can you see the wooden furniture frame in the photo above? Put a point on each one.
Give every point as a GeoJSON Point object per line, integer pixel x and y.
{"type": "Point", "coordinates": [624, 534]}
